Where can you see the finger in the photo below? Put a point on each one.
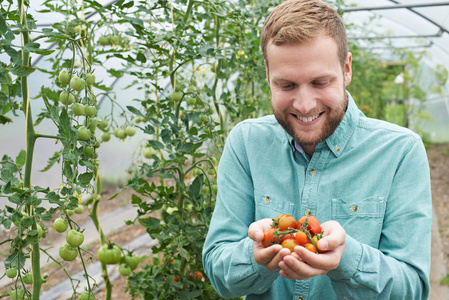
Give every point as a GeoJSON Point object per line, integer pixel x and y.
{"type": "Point", "coordinates": [256, 229]}
{"type": "Point", "coordinates": [325, 261]}
{"type": "Point", "coordinates": [283, 274]}
{"type": "Point", "coordinates": [296, 269]}
{"type": "Point", "coordinates": [334, 236]}
{"type": "Point", "coordinates": [263, 256]}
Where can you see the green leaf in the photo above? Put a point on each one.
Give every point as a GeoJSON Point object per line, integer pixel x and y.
{"type": "Point", "coordinates": [21, 158]}
{"type": "Point", "coordinates": [53, 197]}
{"type": "Point", "coordinates": [15, 260]}
{"type": "Point", "coordinates": [21, 70]}
{"type": "Point", "coordinates": [6, 175]}
{"type": "Point", "coordinates": [135, 111]}
{"type": "Point", "coordinates": [85, 178]}
{"type": "Point", "coordinates": [150, 223]}
{"type": "Point", "coordinates": [52, 160]}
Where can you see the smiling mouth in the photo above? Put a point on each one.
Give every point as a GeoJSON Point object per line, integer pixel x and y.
{"type": "Point", "coordinates": [307, 119]}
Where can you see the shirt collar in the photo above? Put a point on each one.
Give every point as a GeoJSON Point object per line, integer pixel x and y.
{"type": "Point", "coordinates": [340, 138]}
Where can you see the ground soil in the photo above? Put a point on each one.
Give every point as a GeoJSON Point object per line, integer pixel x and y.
{"type": "Point", "coordinates": [438, 155]}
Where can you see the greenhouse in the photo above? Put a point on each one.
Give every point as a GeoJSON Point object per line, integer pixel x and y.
{"type": "Point", "coordinates": [115, 116]}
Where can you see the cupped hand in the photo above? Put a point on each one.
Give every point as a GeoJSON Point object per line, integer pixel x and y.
{"type": "Point", "coordinates": [269, 257]}
{"type": "Point", "coordinates": [303, 264]}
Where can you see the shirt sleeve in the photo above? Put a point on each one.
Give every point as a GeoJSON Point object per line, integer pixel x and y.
{"type": "Point", "coordinates": [228, 252]}
{"type": "Point", "coordinates": [400, 268]}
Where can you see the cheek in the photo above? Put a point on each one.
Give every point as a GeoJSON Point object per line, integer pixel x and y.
{"type": "Point", "coordinates": [280, 100]}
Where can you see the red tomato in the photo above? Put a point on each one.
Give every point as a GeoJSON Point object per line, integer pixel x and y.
{"type": "Point", "coordinates": [287, 236]}
{"type": "Point", "coordinates": [268, 238]}
{"type": "Point", "coordinates": [276, 221]}
{"type": "Point", "coordinates": [310, 247]}
{"type": "Point", "coordinates": [314, 225]}
{"type": "Point", "coordinates": [301, 237]}
{"type": "Point", "coordinates": [290, 244]}
{"type": "Point", "coordinates": [286, 222]}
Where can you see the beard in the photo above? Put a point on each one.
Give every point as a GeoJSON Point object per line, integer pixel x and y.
{"type": "Point", "coordinates": [335, 116]}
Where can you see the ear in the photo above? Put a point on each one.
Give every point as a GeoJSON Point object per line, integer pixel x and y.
{"type": "Point", "coordinates": [348, 69]}
{"type": "Point", "coordinates": [268, 72]}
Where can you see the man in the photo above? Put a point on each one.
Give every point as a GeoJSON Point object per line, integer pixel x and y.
{"type": "Point", "coordinates": [366, 180]}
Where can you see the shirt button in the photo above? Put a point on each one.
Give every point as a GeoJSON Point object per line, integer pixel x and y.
{"type": "Point", "coordinates": [267, 199]}
{"type": "Point", "coordinates": [299, 298]}
{"type": "Point", "coordinates": [307, 212]}
{"type": "Point", "coordinates": [354, 208]}
{"type": "Point", "coordinates": [337, 148]}
{"type": "Point", "coordinates": [312, 172]}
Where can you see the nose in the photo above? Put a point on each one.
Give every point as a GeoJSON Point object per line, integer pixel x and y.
{"type": "Point", "coordinates": [304, 101]}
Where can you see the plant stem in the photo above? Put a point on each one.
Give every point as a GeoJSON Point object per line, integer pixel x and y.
{"type": "Point", "coordinates": [30, 142]}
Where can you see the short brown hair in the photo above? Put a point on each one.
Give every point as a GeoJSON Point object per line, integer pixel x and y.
{"type": "Point", "coordinates": [297, 21]}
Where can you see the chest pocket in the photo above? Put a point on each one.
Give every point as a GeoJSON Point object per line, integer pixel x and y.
{"type": "Point", "coordinates": [361, 219]}
{"type": "Point", "coordinates": [271, 205]}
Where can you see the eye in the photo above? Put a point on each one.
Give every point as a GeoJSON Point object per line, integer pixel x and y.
{"type": "Point", "coordinates": [320, 83]}
{"type": "Point", "coordinates": [287, 86]}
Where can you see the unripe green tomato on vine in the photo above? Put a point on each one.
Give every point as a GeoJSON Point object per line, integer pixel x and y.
{"type": "Point", "coordinates": [68, 253]}
{"type": "Point", "coordinates": [79, 209]}
{"type": "Point", "coordinates": [77, 83]}
{"type": "Point", "coordinates": [104, 40]}
{"type": "Point", "coordinates": [176, 96]}
{"type": "Point", "coordinates": [203, 118]}
{"type": "Point", "coordinates": [27, 278]}
{"type": "Point", "coordinates": [11, 272]}
{"type": "Point", "coordinates": [105, 136]}
{"type": "Point", "coordinates": [86, 295]}
{"type": "Point", "coordinates": [16, 294]}
{"type": "Point", "coordinates": [90, 79]}
{"type": "Point", "coordinates": [78, 109]}
{"type": "Point", "coordinates": [83, 133]}
{"type": "Point", "coordinates": [103, 123]}
{"type": "Point", "coordinates": [60, 225]}
{"type": "Point", "coordinates": [120, 133]}
{"type": "Point", "coordinates": [64, 77]}
{"type": "Point", "coordinates": [130, 131]}
{"type": "Point", "coordinates": [93, 124]}
{"type": "Point", "coordinates": [66, 98]}
{"type": "Point", "coordinates": [148, 151]}
{"type": "Point", "coordinates": [90, 110]}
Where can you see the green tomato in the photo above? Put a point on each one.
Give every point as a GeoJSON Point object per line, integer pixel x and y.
{"type": "Point", "coordinates": [132, 261]}
{"type": "Point", "coordinates": [60, 225]}
{"type": "Point", "coordinates": [148, 151]}
{"type": "Point", "coordinates": [64, 77]}
{"type": "Point", "coordinates": [109, 254]}
{"type": "Point", "coordinates": [104, 40]}
{"type": "Point", "coordinates": [74, 238]}
{"type": "Point", "coordinates": [16, 294]}
{"type": "Point", "coordinates": [79, 209]}
{"type": "Point", "coordinates": [124, 270]}
{"type": "Point", "coordinates": [70, 212]}
{"type": "Point", "coordinates": [130, 131]}
{"type": "Point", "coordinates": [11, 273]}
{"type": "Point", "coordinates": [66, 98]}
{"type": "Point", "coordinates": [90, 79]}
{"type": "Point", "coordinates": [40, 231]}
{"type": "Point", "coordinates": [68, 253]}
{"type": "Point", "coordinates": [27, 278]}
{"type": "Point", "coordinates": [83, 133]}
{"type": "Point", "coordinates": [105, 136]}
{"type": "Point", "coordinates": [211, 171]}
{"type": "Point", "coordinates": [86, 295]}
{"type": "Point", "coordinates": [203, 118]}
{"type": "Point", "coordinates": [191, 101]}
{"type": "Point", "coordinates": [88, 150]}
{"type": "Point", "coordinates": [120, 133]}
{"type": "Point", "coordinates": [77, 83]}
{"type": "Point", "coordinates": [176, 96]}
{"type": "Point", "coordinates": [78, 109]}
{"type": "Point", "coordinates": [92, 124]}
{"type": "Point", "coordinates": [103, 124]}
{"type": "Point", "coordinates": [90, 110]}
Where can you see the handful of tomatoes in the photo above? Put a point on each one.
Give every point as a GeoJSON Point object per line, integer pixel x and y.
{"type": "Point", "coordinates": [289, 233]}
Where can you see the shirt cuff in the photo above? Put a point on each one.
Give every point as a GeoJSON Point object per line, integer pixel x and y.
{"type": "Point", "coordinates": [262, 271]}
{"type": "Point", "coordinates": [349, 260]}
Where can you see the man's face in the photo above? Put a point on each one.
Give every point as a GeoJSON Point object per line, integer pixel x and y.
{"type": "Point", "coordinates": [308, 89]}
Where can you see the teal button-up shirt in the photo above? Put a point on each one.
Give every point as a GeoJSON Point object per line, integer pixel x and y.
{"type": "Point", "coordinates": [370, 176]}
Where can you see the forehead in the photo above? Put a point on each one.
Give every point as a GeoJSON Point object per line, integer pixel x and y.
{"type": "Point", "coordinates": [313, 57]}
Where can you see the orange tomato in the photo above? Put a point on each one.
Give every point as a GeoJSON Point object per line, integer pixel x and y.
{"type": "Point", "coordinates": [290, 244]}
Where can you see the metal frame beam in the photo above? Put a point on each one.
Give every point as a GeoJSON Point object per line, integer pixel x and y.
{"type": "Point", "coordinates": [397, 6]}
